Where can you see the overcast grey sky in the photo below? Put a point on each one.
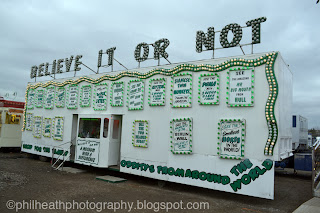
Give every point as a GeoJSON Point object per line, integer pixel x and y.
{"type": "Point", "coordinates": [35, 32]}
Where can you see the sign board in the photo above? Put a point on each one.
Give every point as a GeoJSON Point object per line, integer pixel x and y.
{"type": "Point", "coordinates": [181, 90]}
{"type": "Point", "coordinates": [72, 97]}
{"type": "Point", "coordinates": [241, 86]}
{"type": "Point", "coordinates": [100, 96]}
{"type": "Point", "coordinates": [140, 128]}
{"type": "Point", "coordinates": [157, 92]}
{"type": "Point", "coordinates": [57, 132]}
{"type": "Point", "coordinates": [117, 91]}
{"type": "Point", "coordinates": [209, 88]}
{"type": "Point", "coordinates": [85, 96]}
{"type": "Point", "coordinates": [37, 127]}
{"type": "Point", "coordinates": [181, 130]}
{"type": "Point", "coordinates": [49, 100]}
{"type": "Point", "coordinates": [135, 95]}
{"type": "Point", "coordinates": [29, 121]}
{"type": "Point", "coordinates": [31, 97]}
{"type": "Point", "coordinates": [87, 151]}
{"type": "Point", "coordinates": [46, 131]}
{"type": "Point", "coordinates": [232, 138]}
{"type": "Point", "coordinates": [60, 97]}
{"type": "Point", "coordinates": [39, 98]}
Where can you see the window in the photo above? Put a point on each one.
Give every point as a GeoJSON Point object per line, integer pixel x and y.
{"type": "Point", "coordinates": [115, 133]}
{"type": "Point", "coordinates": [89, 128]}
{"type": "Point", "coordinates": [294, 121]}
{"type": "Point", "coordinates": [12, 118]}
{"type": "Point", "coordinates": [106, 127]}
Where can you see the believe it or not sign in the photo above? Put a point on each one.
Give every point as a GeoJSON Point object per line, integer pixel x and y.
{"type": "Point", "coordinates": [140, 128]}
{"type": "Point", "coordinates": [39, 98]}
{"type": "Point", "coordinates": [49, 100]}
{"type": "Point", "coordinates": [181, 139]}
{"type": "Point", "coordinates": [240, 87]}
{"type": "Point", "coordinates": [87, 151]}
{"type": "Point", "coordinates": [85, 96]}
{"type": "Point", "coordinates": [37, 128]}
{"type": "Point", "coordinates": [46, 127]}
{"type": "Point", "coordinates": [117, 91]}
{"type": "Point", "coordinates": [72, 96]}
{"type": "Point", "coordinates": [181, 90]}
{"type": "Point", "coordinates": [231, 135]}
{"type": "Point", "coordinates": [157, 92]}
{"type": "Point", "coordinates": [56, 67]}
{"type": "Point", "coordinates": [100, 96]}
{"type": "Point", "coordinates": [29, 121]}
{"type": "Point", "coordinates": [209, 88]}
{"type": "Point", "coordinates": [135, 95]}
{"type": "Point", "coordinates": [30, 100]}
{"type": "Point", "coordinates": [60, 97]}
{"type": "Point", "coordinates": [57, 132]}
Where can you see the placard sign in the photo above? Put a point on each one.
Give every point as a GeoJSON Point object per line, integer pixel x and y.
{"type": "Point", "coordinates": [241, 87]}
{"type": "Point", "coordinates": [231, 135]}
{"type": "Point", "coordinates": [157, 92]}
{"type": "Point", "coordinates": [87, 151]}
{"type": "Point", "coordinates": [31, 97]}
{"type": "Point", "coordinates": [117, 94]}
{"type": "Point", "coordinates": [85, 96]}
{"type": "Point", "coordinates": [60, 94]}
{"type": "Point", "coordinates": [100, 96]}
{"type": "Point", "coordinates": [29, 121]}
{"type": "Point", "coordinates": [39, 98]}
{"type": "Point", "coordinates": [181, 136]}
{"type": "Point", "coordinates": [37, 128]}
{"type": "Point", "coordinates": [46, 131]}
{"type": "Point", "coordinates": [49, 101]}
{"type": "Point", "coordinates": [181, 94]}
{"type": "Point", "coordinates": [209, 88]}
{"type": "Point", "coordinates": [57, 132]}
{"type": "Point", "coordinates": [135, 95]}
{"type": "Point", "coordinates": [140, 128]}
{"type": "Point", "coordinates": [72, 100]}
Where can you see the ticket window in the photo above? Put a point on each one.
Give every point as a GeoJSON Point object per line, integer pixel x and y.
{"type": "Point", "coordinates": [89, 128]}
{"type": "Point", "coordinates": [12, 119]}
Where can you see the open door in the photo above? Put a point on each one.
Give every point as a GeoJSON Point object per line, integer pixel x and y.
{"type": "Point", "coordinates": [115, 140]}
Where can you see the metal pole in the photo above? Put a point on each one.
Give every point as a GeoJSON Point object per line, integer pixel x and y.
{"type": "Point", "coordinates": [242, 50]}
{"type": "Point", "coordinates": [251, 48]}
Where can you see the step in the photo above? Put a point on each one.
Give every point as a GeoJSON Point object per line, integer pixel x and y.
{"type": "Point", "coordinates": [111, 179]}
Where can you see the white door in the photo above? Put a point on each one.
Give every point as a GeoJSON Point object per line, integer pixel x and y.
{"type": "Point", "coordinates": [115, 124]}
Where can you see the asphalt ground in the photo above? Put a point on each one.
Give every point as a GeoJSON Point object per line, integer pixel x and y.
{"type": "Point", "coordinates": [27, 183]}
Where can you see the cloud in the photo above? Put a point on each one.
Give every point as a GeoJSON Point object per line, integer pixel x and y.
{"type": "Point", "coordinates": [34, 32]}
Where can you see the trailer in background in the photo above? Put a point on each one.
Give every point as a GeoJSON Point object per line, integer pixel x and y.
{"type": "Point", "coordinates": [218, 124]}
{"type": "Point", "coordinates": [11, 120]}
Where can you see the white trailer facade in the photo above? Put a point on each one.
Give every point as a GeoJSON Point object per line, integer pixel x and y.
{"type": "Point", "coordinates": [218, 123]}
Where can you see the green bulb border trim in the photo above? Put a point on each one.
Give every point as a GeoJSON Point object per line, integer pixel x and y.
{"type": "Point", "coordinates": [53, 128]}
{"type": "Point", "coordinates": [147, 133]}
{"type": "Point", "coordinates": [190, 92]}
{"type": "Point", "coordinates": [34, 120]}
{"type": "Point", "coordinates": [111, 94]}
{"type": "Point", "coordinates": [81, 96]}
{"type": "Point", "coordinates": [94, 98]}
{"type": "Point", "coordinates": [163, 90]}
{"type": "Point", "coordinates": [36, 98]}
{"type": "Point", "coordinates": [43, 127]}
{"type": "Point", "coordinates": [243, 135]}
{"type": "Point", "coordinates": [252, 87]}
{"type": "Point", "coordinates": [128, 95]}
{"type": "Point", "coordinates": [68, 96]}
{"type": "Point", "coordinates": [49, 88]}
{"type": "Point", "coordinates": [63, 99]}
{"type": "Point", "coordinates": [190, 137]}
{"type": "Point", "coordinates": [268, 59]}
{"type": "Point", "coordinates": [218, 89]}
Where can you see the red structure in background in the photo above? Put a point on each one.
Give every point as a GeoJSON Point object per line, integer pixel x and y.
{"type": "Point", "coordinates": [13, 104]}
